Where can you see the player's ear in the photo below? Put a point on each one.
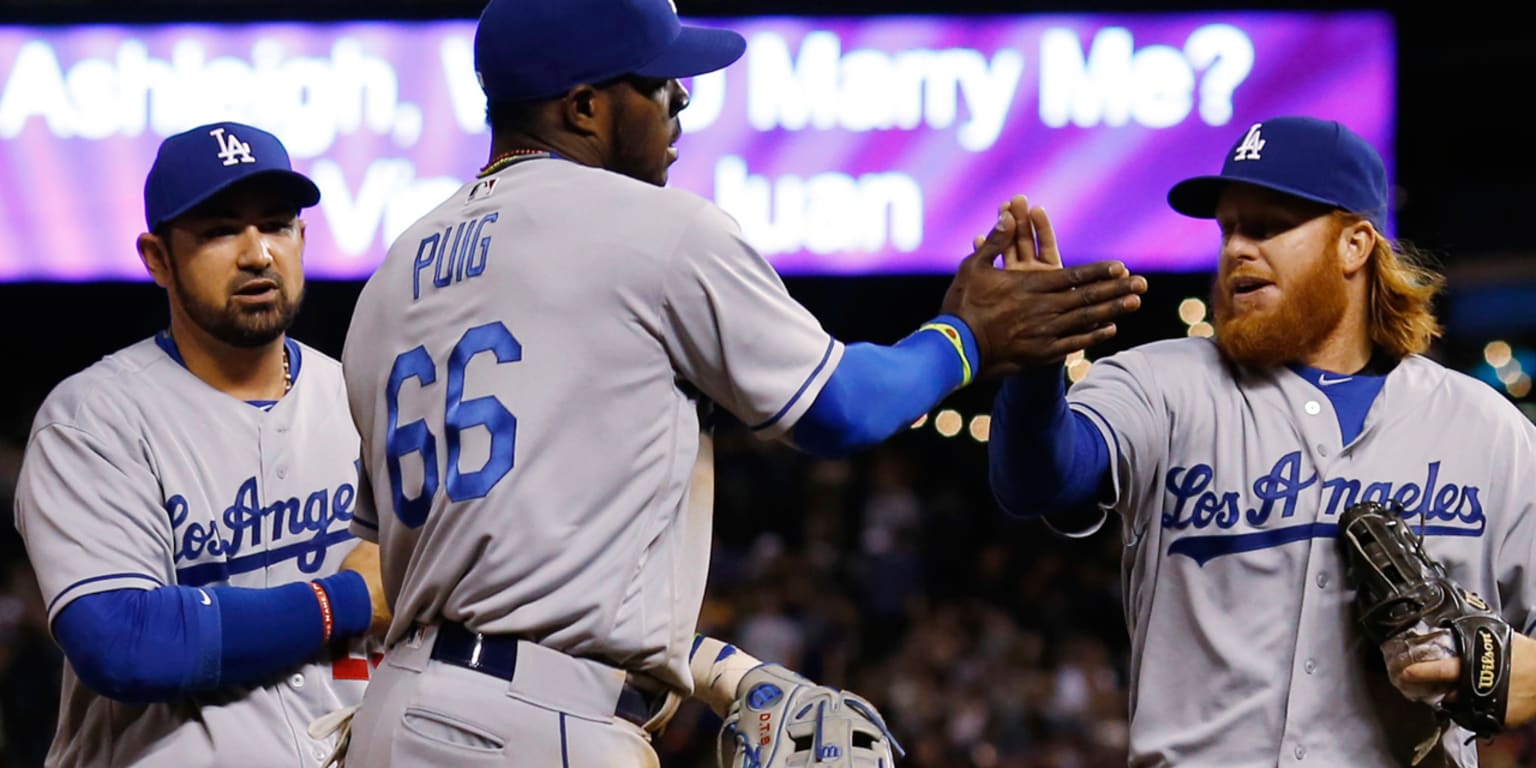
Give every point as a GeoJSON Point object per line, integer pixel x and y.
{"type": "Point", "coordinates": [581, 108]}
{"type": "Point", "coordinates": [155, 252]}
{"type": "Point", "coordinates": [1357, 239]}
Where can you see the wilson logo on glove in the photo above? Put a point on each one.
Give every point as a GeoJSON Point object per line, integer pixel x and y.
{"type": "Point", "coordinates": [1488, 662]}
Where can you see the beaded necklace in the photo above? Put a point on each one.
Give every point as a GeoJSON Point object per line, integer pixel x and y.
{"type": "Point", "coordinates": [501, 161]}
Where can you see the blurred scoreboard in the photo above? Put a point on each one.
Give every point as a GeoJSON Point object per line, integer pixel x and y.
{"type": "Point", "coordinates": [843, 146]}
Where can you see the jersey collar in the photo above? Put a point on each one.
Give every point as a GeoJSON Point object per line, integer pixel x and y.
{"type": "Point", "coordinates": [295, 361]}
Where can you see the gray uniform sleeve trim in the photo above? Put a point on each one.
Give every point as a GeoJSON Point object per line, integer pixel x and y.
{"type": "Point", "coordinates": [1078, 533]}
{"type": "Point", "coordinates": [365, 530]}
{"type": "Point", "coordinates": [103, 583]}
{"type": "Point", "coordinates": [825, 356]}
{"type": "Point", "coordinates": [1111, 441]}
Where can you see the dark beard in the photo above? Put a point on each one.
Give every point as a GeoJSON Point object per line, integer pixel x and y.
{"type": "Point", "coordinates": [1308, 312]}
{"type": "Point", "coordinates": [238, 326]}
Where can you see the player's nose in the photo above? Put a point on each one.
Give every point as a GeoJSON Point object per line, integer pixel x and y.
{"type": "Point", "coordinates": [1237, 247]}
{"type": "Point", "coordinates": [681, 98]}
{"type": "Point", "coordinates": [255, 252]}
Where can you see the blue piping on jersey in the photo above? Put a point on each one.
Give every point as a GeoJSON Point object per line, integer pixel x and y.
{"type": "Point", "coordinates": [103, 577]}
{"type": "Point", "coordinates": [295, 360]}
{"type": "Point", "coordinates": [1203, 549]}
{"type": "Point", "coordinates": [165, 342]}
{"type": "Point", "coordinates": [208, 573]}
{"type": "Point", "coordinates": [565, 758]}
{"type": "Point", "coordinates": [1103, 422]}
{"type": "Point", "coordinates": [825, 356]}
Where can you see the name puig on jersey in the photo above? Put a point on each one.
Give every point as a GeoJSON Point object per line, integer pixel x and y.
{"type": "Point", "coordinates": [292, 528]}
{"type": "Point", "coordinates": [454, 255]}
{"type": "Point", "coordinates": [1195, 504]}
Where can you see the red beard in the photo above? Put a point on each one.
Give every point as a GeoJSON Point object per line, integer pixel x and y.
{"type": "Point", "coordinates": [1308, 311]}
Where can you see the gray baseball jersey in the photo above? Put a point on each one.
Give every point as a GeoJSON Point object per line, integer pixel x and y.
{"type": "Point", "coordinates": [1245, 649]}
{"type": "Point", "coordinates": [138, 474]}
{"type": "Point", "coordinates": [529, 370]}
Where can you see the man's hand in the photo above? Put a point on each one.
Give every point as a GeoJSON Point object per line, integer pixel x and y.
{"type": "Point", "coordinates": [364, 558]}
{"type": "Point", "coordinates": [1522, 683]}
{"type": "Point", "coordinates": [1034, 312]}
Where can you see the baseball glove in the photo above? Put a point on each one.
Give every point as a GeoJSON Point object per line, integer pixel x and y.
{"type": "Point", "coordinates": [780, 719]}
{"type": "Point", "coordinates": [1402, 593]}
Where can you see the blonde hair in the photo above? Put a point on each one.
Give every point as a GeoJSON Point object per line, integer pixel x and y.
{"type": "Point", "coordinates": [1403, 287]}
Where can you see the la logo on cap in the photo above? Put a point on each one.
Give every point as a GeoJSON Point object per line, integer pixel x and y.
{"type": "Point", "coordinates": [1252, 144]}
{"type": "Point", "coordinates": [231, 149]}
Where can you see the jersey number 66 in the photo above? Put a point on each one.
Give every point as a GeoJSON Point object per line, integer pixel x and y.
{"type": "Point", "coordinates": [458, 415]}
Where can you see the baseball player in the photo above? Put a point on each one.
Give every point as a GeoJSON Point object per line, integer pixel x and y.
{"type": "Point", "coordinates": [185, 501]}
{"type": "Point", "coordinates": [533, 370]}
{"type": "Point", "coordinates": [1230, 461]}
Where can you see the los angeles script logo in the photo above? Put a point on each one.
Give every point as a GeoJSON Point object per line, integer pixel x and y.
{"type": "Point", "coordinates": [249, 535]}
{"type": "Point", "coordinates": [1259, 518]}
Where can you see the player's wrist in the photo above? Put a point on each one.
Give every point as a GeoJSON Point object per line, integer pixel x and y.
{"type": "Point", "coordinates": [1522, 682]}
{"type": "Point", "coordinates": [958, 333]}
{"type": "Point", "coordinates": [350, 605]}
{"type": "Point", "coordinates": [717, 668]}
{"type": "Point", "coordinates": [327, 617]}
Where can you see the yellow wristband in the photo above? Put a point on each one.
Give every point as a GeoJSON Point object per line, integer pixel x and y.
{"type": "Point", "coordinates": [949, 332]}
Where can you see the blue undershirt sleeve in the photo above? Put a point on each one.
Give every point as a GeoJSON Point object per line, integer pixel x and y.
{"type": "Point", "coordinates": [143, 646]}
{"type": "Point", "coordinates": [1043, 457]}
{"type": "Point", "coordinates": [270, 631]}
{"type": "Point", "coordinates": [146, 646]}
{"type": "Point", "coordinates": [877, 390]}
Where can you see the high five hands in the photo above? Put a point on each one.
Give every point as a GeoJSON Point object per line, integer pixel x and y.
{"type": "Point", "coordinates": [1034, 311]}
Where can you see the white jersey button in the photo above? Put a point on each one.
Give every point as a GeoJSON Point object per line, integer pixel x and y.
{"type": "Point", "coordinates": [1322, 581]}
{"type": "Point", "coordinates": [297, 681]}
{"type": "Point", "coordinates": [1312, 408]}
{"type": "Point", "coordinates": [1300, 752]}
{"type": "Point", "coordinates": [282, 471]}
{"type": "Point", "coordinates": [1322, 450]}
{"type": "Point", "coordinates": [1310, 666]}
{"type": "Point", "coordinates": [321, 753]}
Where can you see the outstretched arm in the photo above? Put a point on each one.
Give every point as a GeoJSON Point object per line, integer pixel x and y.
{"type": "Point", "coordinates": [1044, 459]}
{"type": "Point", "coordinates": [995, 322]}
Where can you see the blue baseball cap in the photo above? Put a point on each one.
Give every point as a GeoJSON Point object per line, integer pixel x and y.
{"type": "Point", "coordinates": [195, 165]}
{"type": "Point", "coordinates": [530, 50]}
{"type": "Point", "coordinates": [1318, 160]}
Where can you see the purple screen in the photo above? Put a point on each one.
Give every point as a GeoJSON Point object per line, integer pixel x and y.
{"type": "Point", "coordinates": [841, 145]}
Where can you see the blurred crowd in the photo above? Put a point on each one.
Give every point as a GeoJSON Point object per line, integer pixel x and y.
{"type": "Point", "coordinates": [987, 642]}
